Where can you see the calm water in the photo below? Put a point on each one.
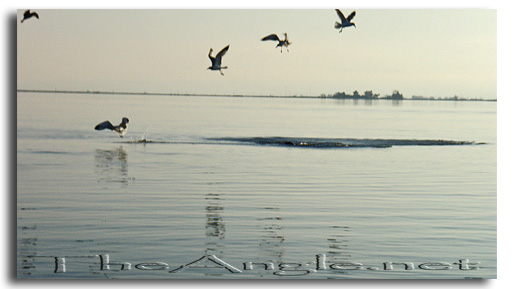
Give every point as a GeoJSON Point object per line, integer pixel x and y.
{"type": "Point", "coordinates": [255, 188]}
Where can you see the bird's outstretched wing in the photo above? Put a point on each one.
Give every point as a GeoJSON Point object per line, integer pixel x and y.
{"type": "Point", "coordinates": [341, 15]}
{"type": "Point", "coordinates": [104, 125]}
{"type": "Point", "coordinates": [213, 60]}
{"type": "Point", "coordinates": [350, 17]}
{"type": "Point", "coordinates": [220, 54]}
{"type": "Point", "coordinates": [271, 37]}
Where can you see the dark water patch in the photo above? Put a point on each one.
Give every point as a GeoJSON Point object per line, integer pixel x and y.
{"type": "Point", "coordinates": [145, 141]}
{"type": "Point", "coordinates": [340, 143]}
{"type": "Point", "coordinates": [84, 241]}
{"type": "Point", "coordinates": [139, 141]}
{"type": "Point", "coordinates": [33, 227]}
{"type": "Point", "coordinates": [312, 142]}
{"type": "Point", "coordinates": [50, 152]}
{"type": "Point", "coordinates": [162, 153]}
{"type": "Point", "coordinates": [302, 142]}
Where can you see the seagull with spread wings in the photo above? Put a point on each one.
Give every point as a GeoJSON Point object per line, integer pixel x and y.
{"type": "Point", "coordinates": [216, 61]}
{"type": "Point", "coordinates": [28, 15]}
{"type": "Point", "coordinates": [281, 43]}
{"type": "Point", "coordinates": [121, 128]}
{"type": "Point", "coordinates": [345, 21]}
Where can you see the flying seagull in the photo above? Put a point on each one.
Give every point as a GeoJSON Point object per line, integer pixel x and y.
{"type": "Point", "coordinates": [121, 128]}
{"type": "Point", "coordinates": [28, 15]}
{"type": "Point", "coordinates": [281, 43]}
{"type": "Point", "coordinates": [216, 62]}
{"type": "Point", "coordinates": [345, 21]}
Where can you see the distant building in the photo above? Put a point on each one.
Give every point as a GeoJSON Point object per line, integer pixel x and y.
{"type": "Point", "coordinates": [396, 95]}
{"type": "Point", "coordinates": [367, 95]}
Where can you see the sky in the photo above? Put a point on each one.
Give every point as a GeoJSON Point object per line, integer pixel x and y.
{"type": "Point", "coordinates": [426, 52]}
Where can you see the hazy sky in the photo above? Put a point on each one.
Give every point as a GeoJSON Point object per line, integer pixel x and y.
{"type": "Point", "coordinates": [441, 53]}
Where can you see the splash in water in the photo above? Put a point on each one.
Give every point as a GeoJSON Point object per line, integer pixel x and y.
{"type": "Point", "coordinates": [143, 138]}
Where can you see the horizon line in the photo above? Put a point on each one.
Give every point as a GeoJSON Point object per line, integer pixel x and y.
{"type": "Point", "coordinates": [238, 95]}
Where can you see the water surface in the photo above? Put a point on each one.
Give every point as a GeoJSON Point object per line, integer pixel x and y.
{"type": "Point", "coordinates": [257, 187]}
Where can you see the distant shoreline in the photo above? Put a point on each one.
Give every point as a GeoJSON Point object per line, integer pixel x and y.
{"type": "Point", "coordinates": [240, 95]}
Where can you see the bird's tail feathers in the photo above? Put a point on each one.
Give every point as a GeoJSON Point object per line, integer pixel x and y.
{"type": "Point", "coordinates": [338, 25]}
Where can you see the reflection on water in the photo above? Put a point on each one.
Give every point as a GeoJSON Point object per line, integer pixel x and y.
{"type": "Point", "coordinates": [368, 102]}
{"type": "Point", "coordinates": [272, 237]}
{"type": "Point", "coordinates": [27, 249]}
{"type": "Point", "coordinates": [338, 245]}
{"type": "Point", "coordinates": [214, 228]}
{"type": "Point", "coordinates": [271, 246]}
{"type": "Point", "coordinates": [397, 102]}
{"type": "Point", "coordinates": [112, 165]}
{"type": "Point", "coordinates": [214, 224]}
{"type": "Point", "coordinates": [338, 251]}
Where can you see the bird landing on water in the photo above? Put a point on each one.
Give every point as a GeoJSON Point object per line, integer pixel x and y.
{"type": "Point", "coordinates": [281, 43]}
{"type": "Point", "coordinates": [345, 21]}
{"type": "Point", "coordinates": [121, 128]}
